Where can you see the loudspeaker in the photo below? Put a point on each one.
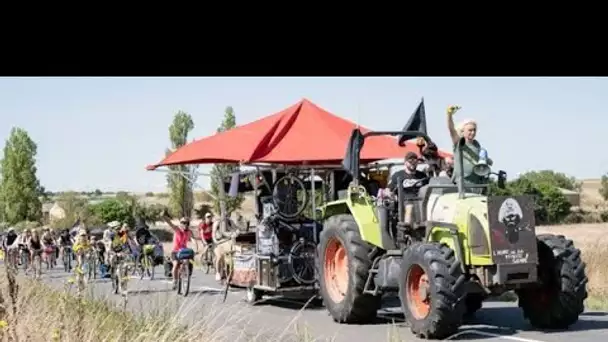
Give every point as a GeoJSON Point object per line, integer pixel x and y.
{"type": "Point", "coordinates": [482, 168]}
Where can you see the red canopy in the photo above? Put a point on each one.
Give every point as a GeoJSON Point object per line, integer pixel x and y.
{"type": "Point", "coordinates": [301, 134]}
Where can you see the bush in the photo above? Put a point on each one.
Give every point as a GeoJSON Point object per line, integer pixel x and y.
{"type": "Point", "coordinates": [149, 194]}
{"type": "Point", "coordinates": [581, 216]}
{"type": "Point", "coordinates": [551, 206]}
{"type": "Point", "coordinates": [604, 216]}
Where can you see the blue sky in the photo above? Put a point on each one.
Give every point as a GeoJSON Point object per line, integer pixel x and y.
{"type": "Point", "coordinates": [102, 132]}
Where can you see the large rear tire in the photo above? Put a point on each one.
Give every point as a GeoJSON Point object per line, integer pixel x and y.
{"type": "Point", "coordinates": [558, 300]}
{"type": "Point", "coordinates": [432, 290]}
{"type": "Point", "coordinates": [344, 266]}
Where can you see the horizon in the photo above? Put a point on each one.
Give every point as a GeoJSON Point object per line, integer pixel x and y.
{"type": "Point", "coordinates": [101, 133]}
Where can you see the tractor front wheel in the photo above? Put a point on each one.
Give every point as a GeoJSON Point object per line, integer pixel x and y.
{"type": "Point", "coordinates": [432, 290]}
{"type": "Point", "coordinates": [344, 266]}
{"type": "Point", "coordinates": [558, 300]}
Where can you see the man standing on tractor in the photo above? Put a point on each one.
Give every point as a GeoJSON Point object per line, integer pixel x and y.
{"type": "Point", "coordinates": [470, 152]}
{"type": "Point", "coordinates": [411, 178]}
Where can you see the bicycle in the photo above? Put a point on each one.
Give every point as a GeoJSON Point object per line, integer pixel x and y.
{"type": "Point", "coordinates": [208, 259]}
{"type": "Point", "coordinates": [146, 263]}
{"type": "Point", "coordinates": [24, 257]}
{"type": "Point", "coordinates": [185, 257]}
{"type": "Point", "coordinates": [92, 257]}
{"type": "Point", "coordinates": [120, 271]}
{"type": "Point", "coordinates": [67, 258]}
{"type": "Point", "coordinates": [228, 266]}
{"type": "Point", "coordinates": [37, 264]}
{"type": "Point", "coordinates": [49, 257]}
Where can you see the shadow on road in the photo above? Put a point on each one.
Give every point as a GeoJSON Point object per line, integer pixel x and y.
{"type": "Point", "coordinates": [148, 291]}
{"type": "Point", "coordinates": [515, 320]}
{"type": "Point", "coordinates": [289, 303]}
{"type": "Point", "coordinates": [595, 314]}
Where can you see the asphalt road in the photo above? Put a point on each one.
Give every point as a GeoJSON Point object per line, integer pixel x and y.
{"type": "Point", "coordinates": [279, 317]}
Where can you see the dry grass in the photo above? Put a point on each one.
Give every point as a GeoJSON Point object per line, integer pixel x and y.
{"type": "Point", "coordinates": [590, 196]}
{"type": "Point", "coordinates": [592, 239]}
{"type": "Point", "coordinates": [34, 311]}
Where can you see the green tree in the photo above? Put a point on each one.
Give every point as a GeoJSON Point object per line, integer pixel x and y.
{"type": "Point", "coordinates": [182, 177]}
{"type": "Point", "coordinates": [550, 177]}
{"type": "Point", "coordinates": [603, 190]}
{"type": "Point", "coordinates": [222, 171]}
{"type": "Point", "coordinates": [113, 209]}
{"type": "Point", "coordinates": [20, 188]}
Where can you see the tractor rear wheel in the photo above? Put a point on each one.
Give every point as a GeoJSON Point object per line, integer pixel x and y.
{"type": "Point", "coordinates": [432, 290]}
{"type": "Point", "coordinates": [344, 266]}
{"type": "Point", "coordinates": [558, 300]}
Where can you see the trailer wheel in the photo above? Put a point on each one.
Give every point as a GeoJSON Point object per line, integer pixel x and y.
{"type": "Point", "coordinates": [558, 300]}
{"type": "Point", "coordinates": [432, 290]}
{"type": "Point", "coordinates": [344, 265]}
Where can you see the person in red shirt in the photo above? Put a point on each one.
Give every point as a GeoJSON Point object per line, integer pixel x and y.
{"type": "Point", "coordinates": [205, 229]}
{"type": "Point", "coordinates": [181, 236]}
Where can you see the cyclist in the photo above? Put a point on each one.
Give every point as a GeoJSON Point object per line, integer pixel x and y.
{"type": "Point", "coordinates": [205, 232]}
{"type": "Point", "coordinates": [120, 241]}
{"type": "Point", "coordinates": [22, 243]}
{"type": "Point", "coordinates": [10, 247]}
{"type": "Point", "coordinates": [142, 237]}
{"type": "Point", "coordinates": [34, 245]}
{"type": "Point", "coordinates": [81, 247]}
{"type": "Point", "coordinates": [65, 240]}
{"type": "Point", "coordinates": [48, 245]}
{"type": "Point", "coordinates": [181, 236]}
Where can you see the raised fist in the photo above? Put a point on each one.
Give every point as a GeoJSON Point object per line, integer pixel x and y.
{"type": "Point", "coordinates": [420, 141]}
{"type": "Point", "coordinates": [453, 109]}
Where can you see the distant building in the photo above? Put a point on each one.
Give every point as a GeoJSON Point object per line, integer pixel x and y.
{"type": "Point", "coordinates": [572, 196]}
{"type": "Point", "coordinates": [52, 212]}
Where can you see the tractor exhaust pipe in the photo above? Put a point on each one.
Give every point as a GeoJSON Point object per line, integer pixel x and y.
{"type": "Point", "coordinates": [460, 180]}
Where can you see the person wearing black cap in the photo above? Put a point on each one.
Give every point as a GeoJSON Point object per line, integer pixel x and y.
{"type": "Point", "coordinates": [411, 178]}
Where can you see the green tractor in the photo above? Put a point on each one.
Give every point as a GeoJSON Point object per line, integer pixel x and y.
{"type": "Point", "coordinates": [463, 247]}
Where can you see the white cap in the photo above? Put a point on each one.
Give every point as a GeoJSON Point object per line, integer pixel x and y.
{"type": "Point", "coordinates": [207, 215]}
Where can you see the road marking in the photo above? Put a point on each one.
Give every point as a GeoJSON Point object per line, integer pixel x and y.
{"type": "Point", "coordinates": [487, 334]}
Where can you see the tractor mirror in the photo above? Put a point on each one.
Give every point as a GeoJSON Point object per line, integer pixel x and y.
{"type": "Point", "coordinates": [502, 179]}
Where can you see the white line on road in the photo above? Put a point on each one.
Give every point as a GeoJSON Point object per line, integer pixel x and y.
{"type": "Point", "coordinates": [487, 334]}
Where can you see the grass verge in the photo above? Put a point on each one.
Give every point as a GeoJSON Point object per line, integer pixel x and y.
{"type": "Point", "coordinates": [34, 311]}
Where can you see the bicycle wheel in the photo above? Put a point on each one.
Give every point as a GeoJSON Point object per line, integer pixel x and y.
{"type": "Point", "coordinates": [207, 261]}
{"type": "Point", "coordinates": [289, 196]}
{"type": "Point", "coordinates": [67, 256]}
{"type": "Point", "coordinates": [301, 262]}
{"type": "Point", "coordinates": [185, 274]}
{"type": "Point", "coordinates": [114, 275]}
{"type": "Point", "coordinates": [229, 268]}
{"type": "Point", "coordinates": [150, 262]}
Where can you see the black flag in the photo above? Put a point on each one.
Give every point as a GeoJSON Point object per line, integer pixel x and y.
{"type": "Point", "coordinates": [350, 162]}
{"type": "Point", "coordinates": [416, 122]}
